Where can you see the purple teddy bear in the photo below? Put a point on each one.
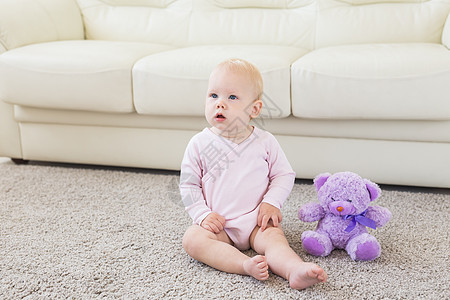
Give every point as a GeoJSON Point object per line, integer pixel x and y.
{"type": "Point", "coordinates": [343, 214]}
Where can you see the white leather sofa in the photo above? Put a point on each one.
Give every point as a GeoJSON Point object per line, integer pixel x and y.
{"type": "Point", "coordinates": [358, 85]}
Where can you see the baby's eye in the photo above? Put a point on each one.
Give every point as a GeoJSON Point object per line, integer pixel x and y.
{"type": "Point", "coordinates": [214, 96]}
{"type": "Point", "coordinates": [232, 97]}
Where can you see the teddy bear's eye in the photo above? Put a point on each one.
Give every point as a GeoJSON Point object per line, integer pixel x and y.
{"type": "Point", "coordinates": [333, 199]}
{"type": "Point", "coordinates": [349, 200]}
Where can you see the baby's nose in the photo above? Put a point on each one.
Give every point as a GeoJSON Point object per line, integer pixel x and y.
{"type": "Point", "coordinates": [220, 105]}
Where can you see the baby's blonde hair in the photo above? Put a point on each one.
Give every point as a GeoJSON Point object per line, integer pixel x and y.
{"type": "Point", "coordinates": [243, 66]}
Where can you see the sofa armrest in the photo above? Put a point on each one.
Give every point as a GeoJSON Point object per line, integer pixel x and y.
{"type": "Point", "coordinates": [24, 22]}
{"type": "Point", "coordinates": [446, 33]}
{"type": "Point", "coordinates": [10, 145]}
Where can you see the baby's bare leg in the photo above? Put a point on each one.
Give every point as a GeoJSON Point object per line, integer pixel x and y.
{"type": "Point", "coordinates": [283, 261]}
{"type": "Point", "coordinates": [217, 251]}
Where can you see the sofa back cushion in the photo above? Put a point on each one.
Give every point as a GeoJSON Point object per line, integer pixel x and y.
{"type": "Point", "coordinates": [155, 21]}
{"type": "Point", "coordinates": [380, 21]}
{"type": "Point", "coordinates": [279, 23]}
{"type": "Point", "coordinates": [202, 22]}
{"type": "Point", "coordinates": [46, 20]}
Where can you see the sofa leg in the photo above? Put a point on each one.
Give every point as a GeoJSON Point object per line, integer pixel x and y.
{"type": "Point", "coordinates": [20, 161]}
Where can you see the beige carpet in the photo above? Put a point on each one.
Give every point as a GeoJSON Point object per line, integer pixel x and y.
{"type": "Point", "coordinates": [83, 232]}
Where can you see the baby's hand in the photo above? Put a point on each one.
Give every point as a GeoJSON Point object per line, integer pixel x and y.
{"type": "Point", "coordinates": [213, 222]}
{"type": "Point", "coordinates": [266, 213]}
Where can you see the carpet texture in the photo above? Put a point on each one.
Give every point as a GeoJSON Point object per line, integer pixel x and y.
{"type": "Point", "coordinates": [84, 232]}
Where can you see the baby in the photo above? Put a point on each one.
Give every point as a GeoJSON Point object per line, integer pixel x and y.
{"type": "Point", "coordinates": [234, 180]}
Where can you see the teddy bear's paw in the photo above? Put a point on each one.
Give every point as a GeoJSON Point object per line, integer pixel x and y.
{"type": "Point", "coordinates": [316, 244]}
{"type": "Point", "coordinates": [364, 247]}
{"type": "Point", "coordinates": [368, 251]}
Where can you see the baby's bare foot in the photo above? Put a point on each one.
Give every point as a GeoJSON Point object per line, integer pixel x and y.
{"type": "Point", "coordinates": [305, 275]}
{"type": "Point", "coordinates": [257, 267]}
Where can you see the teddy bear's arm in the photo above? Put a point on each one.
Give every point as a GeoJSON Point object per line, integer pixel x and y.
{"type": "Point", "coordinates": [379, 214]}
{"type": "Point", "coordinates": [311, 212]}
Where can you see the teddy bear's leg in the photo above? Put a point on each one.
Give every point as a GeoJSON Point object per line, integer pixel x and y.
{"type": "Point", "coordinates": [363, 247]}
{"type": "Point", "coordinates": [316, 244]}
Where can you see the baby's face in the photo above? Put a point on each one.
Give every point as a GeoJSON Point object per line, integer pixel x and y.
{"type": "Point", "coordinates": [230, 100]}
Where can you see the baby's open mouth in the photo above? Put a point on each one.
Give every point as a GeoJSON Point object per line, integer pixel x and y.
{"type": "Point", "coordinates": [220, 116]}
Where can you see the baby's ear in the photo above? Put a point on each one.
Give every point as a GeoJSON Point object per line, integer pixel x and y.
{"type": "Point", "coordinates": [320, 180]}
{"type": "Point", "coordinates": [373, 188]}
{"type": "Point", "coordinates": [256, 108]}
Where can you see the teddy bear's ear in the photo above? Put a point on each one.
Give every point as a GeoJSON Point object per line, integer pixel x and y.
{"type": "Point", "coordinates": [373, 188]}
{"type": "Point", "coordinates": [320, 180]}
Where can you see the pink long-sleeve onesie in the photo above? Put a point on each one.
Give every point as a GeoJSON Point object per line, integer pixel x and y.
{"type": "Point", "coordinates": [232, 180]}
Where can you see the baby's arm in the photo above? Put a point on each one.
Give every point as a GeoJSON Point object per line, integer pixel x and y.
{"type": "Point", "coordinates": [191, 185]}
{"type": "Point", "coordinates": [281, 175]}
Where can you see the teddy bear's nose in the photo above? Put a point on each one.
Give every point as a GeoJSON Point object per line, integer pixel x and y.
{"type": "Point", "coordinates": [339, 208]}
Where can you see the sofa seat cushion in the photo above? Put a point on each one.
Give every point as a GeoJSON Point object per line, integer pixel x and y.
{"type": "Point", "coordinates": [373, 81]}
{"type": "Point", "coordinates": [175, 82]}
{"type": "Point", "coordinates": [75, 75]}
